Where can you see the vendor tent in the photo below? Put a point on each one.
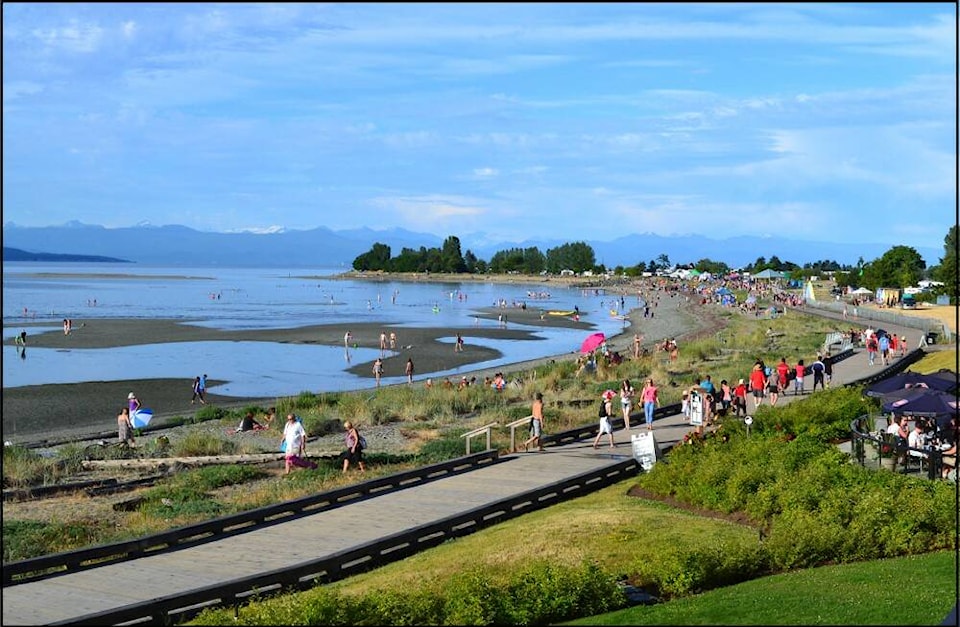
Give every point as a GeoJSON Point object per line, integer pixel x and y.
{"type": "Point", "coordinates": [769, 274]}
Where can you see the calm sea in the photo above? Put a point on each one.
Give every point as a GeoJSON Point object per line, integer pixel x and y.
{"type": "Point", "coordinates": [244, 298]}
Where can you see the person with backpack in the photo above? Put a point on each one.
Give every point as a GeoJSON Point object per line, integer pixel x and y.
{"type": "Point", "coordinates": [606, 414]}
{"type": "Point", "coordinates": [872, 347]}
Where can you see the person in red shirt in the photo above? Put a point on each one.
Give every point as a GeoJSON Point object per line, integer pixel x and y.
{"type": "Point", "coordinates": [758, 381]}
{"type": "Point", "coordinates": [783, 372]}
{"type": "Point", "coordinates": [798, 380]}
{"type": "Point", "coordinates": [740, 399]}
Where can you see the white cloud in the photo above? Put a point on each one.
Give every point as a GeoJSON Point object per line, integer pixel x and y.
{"type": "Point", "coordinates": [485, 173]}
{"type": "Point", "coordinates": [76, 36]}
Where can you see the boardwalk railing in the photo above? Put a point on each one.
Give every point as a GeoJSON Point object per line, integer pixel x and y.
{"type": "Point", "coordinates": [181, 607]}
{"type": "Point", "coordinates": [45, 566]}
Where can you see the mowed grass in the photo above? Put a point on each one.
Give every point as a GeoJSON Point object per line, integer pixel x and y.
{"type": "Point", "coordinates": [945, 359]}
{"type": "Point", "coordinates": [914, 590]}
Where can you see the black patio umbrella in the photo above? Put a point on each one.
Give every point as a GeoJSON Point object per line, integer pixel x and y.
{"type": "Point", "coordinates": [922, 402]}
{"type": "Point", "coordinates": [941, 381]}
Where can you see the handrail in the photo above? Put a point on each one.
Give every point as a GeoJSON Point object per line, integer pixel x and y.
{"type": "Point", "coordinates": [513, 430]}
{"type": "Point", "coordinates": [484, 429]}
{"type": "Point", "coordinates": [37, 568]}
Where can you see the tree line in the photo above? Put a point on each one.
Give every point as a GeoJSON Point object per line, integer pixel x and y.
{"type": "Point", "coordinates": [899, 267]}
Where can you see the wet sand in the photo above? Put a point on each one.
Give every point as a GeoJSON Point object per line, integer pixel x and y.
{"type": "Point", "coordinates": [59, 411]}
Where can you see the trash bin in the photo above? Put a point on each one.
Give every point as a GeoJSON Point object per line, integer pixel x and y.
{"type": "Point", "coordinates": [932, 337]}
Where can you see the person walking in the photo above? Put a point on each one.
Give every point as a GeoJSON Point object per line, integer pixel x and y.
{"type": "Point", "coordinates": [354, 447]}
{"type": "Point", "coordinates": [650, 401]}
{"type": "Point", "coordinates": [378, 370]}
{"type": "Point", "coordinates": [817, 368]}
{"type": "Point", "coordinates": [758, 381]}
{"type": "Point", "coordinates": [626, 401]}
{"type": "Point", "coordinates": [883, 345]}
{"type": "Point", "coordinates": [606, 413]}
{"type": "Point", "coordinates": [773, 388]}
{"type": "Point", "coordinates": [458, 346]}
{"type": "Point", "coordinates": [536, 423]}
{"type": "Point", "coordinates": [383, 342]}
{"type": "Point", "coordinates": [196, 392]}
{"type": "Point", "coordinates": [202, 389]}
{"type": "Point", "coordinates": [125, 427]}
{"type": "Point", "coordinates": [783, 375]}
{"type": "Point", "coordinates": [827, 369]}
{"type": "Point", "coordinates": [408, 370]}
{"type": "Point", "coordinates": [798, 378]}
{"type": "Point", "coordinates": [295, 445]}
{"type": "Point", "coordinates": [871, 349]}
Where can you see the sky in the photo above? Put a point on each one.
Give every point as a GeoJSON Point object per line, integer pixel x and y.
{"type": "Point", "coordinates": [823, 121]}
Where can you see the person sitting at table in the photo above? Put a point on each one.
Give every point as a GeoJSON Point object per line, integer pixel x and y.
{"type": "Point", "coordinates": [949, 462]}
{"type": "Point", "coordinates": [916, 441]}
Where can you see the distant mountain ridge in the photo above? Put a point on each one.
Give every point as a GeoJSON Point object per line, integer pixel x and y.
{"type": "Point", "coordinates": [175, 245]}
{"type": "Point", "coordinates": [15, 254]}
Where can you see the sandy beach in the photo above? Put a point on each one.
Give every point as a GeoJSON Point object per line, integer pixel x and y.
{"type": "Point", "coordinates": [61, 411]}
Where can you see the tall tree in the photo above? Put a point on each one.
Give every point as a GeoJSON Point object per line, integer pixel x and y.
{"type": "Point", "coordinates": [451, 256]}
{"type": "Point", "coordinates": [901, 266]}
{"type": "Point", "coordinates": [946, 272]}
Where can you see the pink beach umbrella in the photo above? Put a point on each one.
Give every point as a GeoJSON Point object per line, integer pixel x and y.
{"type": "Point", "coordinates": [592, 342]}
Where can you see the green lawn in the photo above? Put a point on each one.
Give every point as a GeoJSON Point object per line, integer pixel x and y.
{"type": "Point", "coordinates": [914, 590]}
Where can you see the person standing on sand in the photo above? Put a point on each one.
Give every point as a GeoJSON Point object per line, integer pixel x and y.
{"type": "Point", "coordinates": [347, 338]}
{"type": "Point", "coordinates": [202, 389]}
{"type": "Point", "coordinates": [409, 370]}
{"type": "Point", "coordinates": [125, 427]}
{"type": "Point", "coordinates": [393, 341]}
{"type": "Point", "coordinates": [383, 342]}
{"type": "Point", "coordinates": [536, 423]}
{"type": "Point", "coordinates": [378, 370]}
{"type": "Point", "coordinates": [133, 403]}
{"type": "Point", "coordinates": [197, 393]}
{"type": "Point", "coordinates": [458, 346]}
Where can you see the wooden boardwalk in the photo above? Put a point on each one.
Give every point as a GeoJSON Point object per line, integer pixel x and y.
{"type": "Point", "coordinates": [70, 596]}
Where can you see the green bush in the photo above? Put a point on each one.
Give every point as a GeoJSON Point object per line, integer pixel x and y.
{"type": "Point", "coordinates": [209, 412]}
{"type": "Point", "coordinates": [197, 444]}
{"type": "Point", "coordinates": [23, 539]}
{"type": "Point", "coordinates": [539, 594]}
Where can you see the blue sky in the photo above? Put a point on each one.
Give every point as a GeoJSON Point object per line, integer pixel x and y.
{"type": "Point", "coordinates": [829, 122]}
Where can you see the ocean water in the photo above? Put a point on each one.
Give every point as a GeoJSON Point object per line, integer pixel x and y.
{"type": "Point", "coordinates": [244, 298]}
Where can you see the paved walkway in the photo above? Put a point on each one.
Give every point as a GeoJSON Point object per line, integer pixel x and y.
{"type": "Point", "coordinates": [283, 545]}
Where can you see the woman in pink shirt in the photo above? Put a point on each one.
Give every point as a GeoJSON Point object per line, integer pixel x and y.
{"type": "Point", "coordinates": [650, 400]}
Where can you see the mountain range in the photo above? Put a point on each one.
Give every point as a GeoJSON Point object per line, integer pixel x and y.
{"type": "Point", "coordinates": [175, 245]}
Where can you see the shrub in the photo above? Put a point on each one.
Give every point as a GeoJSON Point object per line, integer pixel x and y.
{"type": "Point", "coordinates": [209, 412]}
{"type": "Point", "coordinates": [198, 444]}
{"type": "Point", "coordinates": [23, 539]}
